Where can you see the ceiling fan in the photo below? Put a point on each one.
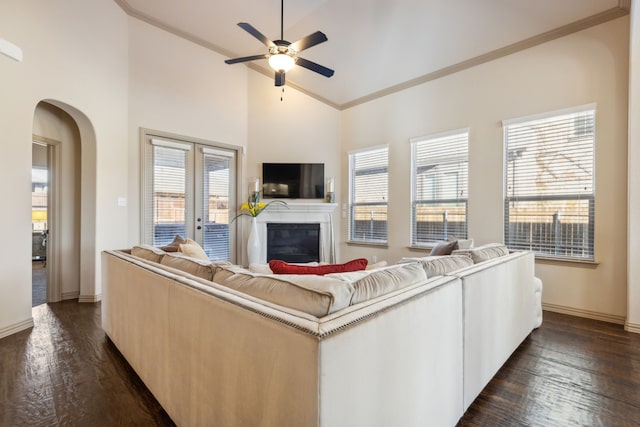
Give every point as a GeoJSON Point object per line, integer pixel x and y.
{"type": "Point", "coordinates": [283, 55]}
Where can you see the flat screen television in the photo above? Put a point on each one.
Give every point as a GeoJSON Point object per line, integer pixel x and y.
{"type": "Point", "coordinates": [293, 180]}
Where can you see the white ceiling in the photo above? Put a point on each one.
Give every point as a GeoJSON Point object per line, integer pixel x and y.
{"type": "Point", "coordinates": [376, 46]}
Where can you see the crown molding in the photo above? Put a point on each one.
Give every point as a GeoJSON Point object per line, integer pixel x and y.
{"type": "Point", "coordinates": [556, 33]}
{"type": "Point", "coordinates": [600, 18]}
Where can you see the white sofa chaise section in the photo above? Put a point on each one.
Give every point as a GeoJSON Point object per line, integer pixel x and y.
{"type": "Point", "coordinates": [499, 306]}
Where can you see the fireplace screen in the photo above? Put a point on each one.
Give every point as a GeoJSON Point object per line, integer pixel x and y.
{"type": "Point", "coordinates": [293, 242]}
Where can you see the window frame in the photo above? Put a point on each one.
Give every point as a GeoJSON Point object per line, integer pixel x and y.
{"type": "Point", "coordinates": [416, 143]}
{"type": "Point", "coordinates": [352, 205]}
{"type": "Point", "coordinates": [195, 198]}
{"type": "Point", "coordinates": [588, 246]}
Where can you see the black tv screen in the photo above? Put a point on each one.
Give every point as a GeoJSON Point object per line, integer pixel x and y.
{"type": "Point", "coordinates": [293, 180]}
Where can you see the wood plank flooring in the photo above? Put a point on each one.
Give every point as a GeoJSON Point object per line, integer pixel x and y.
{"type": "Point", "coordinates": [570, 372]}
{"type": "Point", "coordinates": [66, 372]}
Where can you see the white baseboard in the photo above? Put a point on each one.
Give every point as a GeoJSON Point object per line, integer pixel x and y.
{"type": "Point", "coordinates": [632, 327]}
{"type": "Point", "coordinates": [12, 329]}
{"type": "Point", "coordinates": [90, 298]}
{"type": "Point", "coordinates": [70, 295]}
{"type": "Point", "coordinates": [620, 320]}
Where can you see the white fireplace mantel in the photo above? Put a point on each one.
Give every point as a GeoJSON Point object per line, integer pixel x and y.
{"type": "Point", "coordinates": [300, 213]}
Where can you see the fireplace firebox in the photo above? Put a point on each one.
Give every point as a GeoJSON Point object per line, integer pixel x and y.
{"type": "Point", "coordinates": [293, 242]}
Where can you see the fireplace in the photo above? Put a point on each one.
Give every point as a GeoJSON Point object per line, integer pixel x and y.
{"type": "Point", "coordinates": [317, 215]}
{"type": "Point", "coordinates": [293, 242]}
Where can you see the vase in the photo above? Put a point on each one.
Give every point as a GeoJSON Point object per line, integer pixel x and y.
{"type": "Point", "coordinates": [253, 243]}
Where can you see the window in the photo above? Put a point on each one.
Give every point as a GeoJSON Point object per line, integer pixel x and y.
{"type": "Point", "coordinates": [189, 188]}
{"type": "Point", "coordinates": [549, 191]}
{"type": "Point", "coordinates": [439, 194]}
{"type": "Point", "coordinates": [368, 195]}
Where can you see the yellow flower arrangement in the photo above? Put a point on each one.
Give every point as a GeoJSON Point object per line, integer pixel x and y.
{"type": "Point", "coordinates": [253, 208]}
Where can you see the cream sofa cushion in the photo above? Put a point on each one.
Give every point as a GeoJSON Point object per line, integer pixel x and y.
{"type": "Point", "coordinates": [441, 265]}
{"type": "Point", "coordinates": [387, 279]}
{"type": "Point", "coordinates": [316, 295]}
{"type": "Point", "coordinates": [194, 266]}
{"type": "Point", "coordinates": [484, 252]}
{"type": "Point", "coordinates": [148, 252]}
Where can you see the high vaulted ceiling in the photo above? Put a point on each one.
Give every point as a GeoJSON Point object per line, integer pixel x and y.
{"type": "Point", "coordinates": [376, 46]}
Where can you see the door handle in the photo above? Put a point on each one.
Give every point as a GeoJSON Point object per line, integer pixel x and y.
{"type": "Point", "coordinates": [199, 227]}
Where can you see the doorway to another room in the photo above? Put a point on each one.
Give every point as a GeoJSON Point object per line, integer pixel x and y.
{"type": "Point", "coordinates": [39, 224]}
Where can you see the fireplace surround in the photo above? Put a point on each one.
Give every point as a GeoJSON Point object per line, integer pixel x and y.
{"type": "Point", "coordinates": [300, 213]}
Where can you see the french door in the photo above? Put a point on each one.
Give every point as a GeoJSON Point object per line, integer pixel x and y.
{"type": "Point", "coordinates": [190, 190]}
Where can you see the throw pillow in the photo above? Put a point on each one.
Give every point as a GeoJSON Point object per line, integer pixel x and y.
{"type": "Point", "coordinates": [281, 267]}
{"type": "Point", "coordinates": [444, 248]}
{"type": "Point", "coordinates": [193, 249]}
{"type": "Point", "coordinates": [174, 246]}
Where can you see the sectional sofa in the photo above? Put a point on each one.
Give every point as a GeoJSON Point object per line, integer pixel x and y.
{"type": "Point", "coordinates": [410, 344]}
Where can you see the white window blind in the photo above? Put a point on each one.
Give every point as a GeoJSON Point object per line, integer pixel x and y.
{"type": "Point", "coordinates": [168, 214]}
{"type": "Point", "coordinates": [368, 195]}
{"type": "Point", "coordinates": [549, 191]}
{"type": "Point", "coordinates": [440, 187]}
{"type": "Point", "coordinates": [188, 190]}
{"type": "Point", "coordinates": [216, 190]}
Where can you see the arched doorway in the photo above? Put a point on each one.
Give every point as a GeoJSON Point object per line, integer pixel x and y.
{"type": "Point", "coordinates": [71, 255]}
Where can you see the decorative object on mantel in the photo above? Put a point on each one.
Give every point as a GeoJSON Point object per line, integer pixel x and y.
{"type": "Point", "coordinates": [253, 208]}
{"type": "Point", "coordinates": [254, 190]}
{"type": "Point", "coordinates": [331, 195]}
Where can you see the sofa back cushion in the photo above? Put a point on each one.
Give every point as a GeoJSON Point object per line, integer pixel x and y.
{"type": "Point", "coordinates": [484, 252]}
{"type": "Point", "coordinates": [148, 252]}
{"type": "Point", "coordinates": [316, 295]}
{"type": "Point", "coordinates": [441, 265]}
{"type": "Point", "coordinates": [388, 279]}
{"type": "Point", "coordinates": [193, 266]}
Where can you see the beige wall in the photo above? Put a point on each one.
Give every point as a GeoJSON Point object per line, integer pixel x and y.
{"type": "Point", "coordinates": [590, 66]}
{"type": "Point", "coordinates": [75, 54]}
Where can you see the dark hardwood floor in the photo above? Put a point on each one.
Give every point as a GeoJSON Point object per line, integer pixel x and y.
{"type": "Point", "coordinates": [570, 372]}
{"type": "Point", "coordinates": [66, 372]}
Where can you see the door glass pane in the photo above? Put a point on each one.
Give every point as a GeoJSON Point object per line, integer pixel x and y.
{"type": "Point", "coordinates": [216, 190]}
{"type": "Point", "coordinates": [169, 194]}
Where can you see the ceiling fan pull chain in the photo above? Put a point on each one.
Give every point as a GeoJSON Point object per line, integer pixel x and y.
{"type": "Point", "coordinates": [282, 94]}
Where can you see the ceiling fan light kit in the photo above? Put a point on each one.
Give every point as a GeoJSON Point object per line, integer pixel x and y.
{"type": "Point", "coordinates": [282, 62]}
{"type": "Point", "coordinates": [282, 55]}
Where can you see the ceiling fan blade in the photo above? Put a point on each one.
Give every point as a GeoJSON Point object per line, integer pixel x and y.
{"type": "Point", "coordinates": [309, 41]}
{"type": "Point", "coordinates": [255, 33]}
{"type": "Point", "coordinates": [279, 78]}
{"type": "Point", "coordinates": [309, 65]}
{"type": "Point", "coordinates": [245, 59]}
